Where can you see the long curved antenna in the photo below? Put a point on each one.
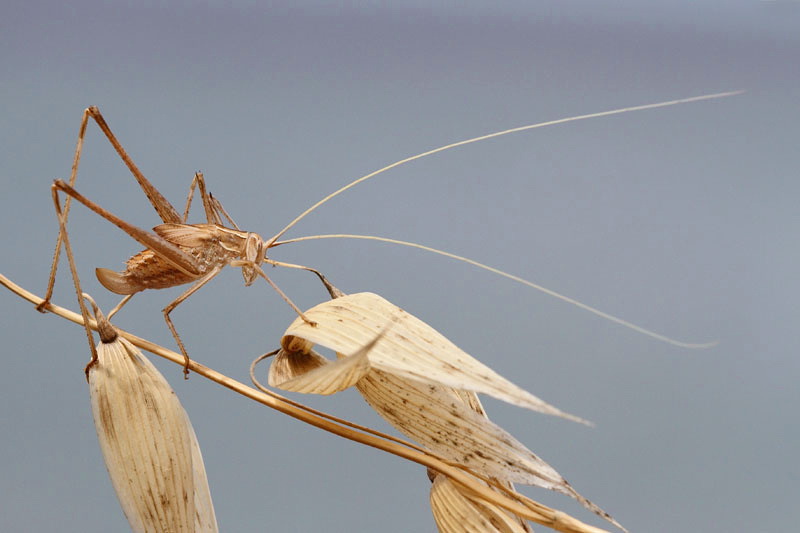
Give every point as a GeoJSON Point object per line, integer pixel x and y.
{"type": "Point", "coordinates": [490, 136]}
{"type": "Point", "coordinates": [512, 277]}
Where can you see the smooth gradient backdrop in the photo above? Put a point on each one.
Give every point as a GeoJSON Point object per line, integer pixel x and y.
{"type": "Point", "coordinates": [684, 220]}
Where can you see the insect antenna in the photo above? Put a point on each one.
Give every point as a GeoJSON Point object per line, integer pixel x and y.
{"type": "Point", "coordinates": [491, 136]}
{"type": "Point", "coordinates": [512, 277]}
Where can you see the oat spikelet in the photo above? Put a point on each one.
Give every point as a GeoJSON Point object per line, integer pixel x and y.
{"type": "Point", "coordinates": [455, 511]}
{"type": "Point", "coordinates": [148, 443]}
{"type": "Point", "coordinates": [410, 349]}
{"type": "Point", "coordinates": [418, 381]}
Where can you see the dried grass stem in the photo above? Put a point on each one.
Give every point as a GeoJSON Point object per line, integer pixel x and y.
{"type": "Point", "coordinates": [518, 505]}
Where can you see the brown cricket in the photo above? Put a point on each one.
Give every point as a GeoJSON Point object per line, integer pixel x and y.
{"type": "Point", "coordinates": [176, 253]}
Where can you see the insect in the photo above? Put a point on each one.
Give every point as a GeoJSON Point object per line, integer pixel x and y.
{"type": "Point", "coordinates": [177, 253]}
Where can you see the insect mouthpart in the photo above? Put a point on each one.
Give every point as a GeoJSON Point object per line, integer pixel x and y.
{"type": "Point", "coordinates": [249, 274]}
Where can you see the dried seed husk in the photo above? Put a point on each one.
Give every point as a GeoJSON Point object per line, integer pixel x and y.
{"type": "Point", "coordinates": [410, 348]}
{"type": "Point", "coordinates": [458, 509]}
{"type": "Point", "coordinates": [417, 380]}
{"type": "Point", "coordinates": [456, 512]}
{"type": "Point", "coordinates": [310, 373]}
{"type": "Point", "coordinates": [148, 443]}
{"type": "Point", "coordinates": [447, 422]}
{"type": "Point", "coordinates": [440, 418]}
{"type": "Point", "coordinates": [435, 417]}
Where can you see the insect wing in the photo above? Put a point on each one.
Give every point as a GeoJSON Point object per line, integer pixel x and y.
{"type": "Point", "coordinates": [187, 235]}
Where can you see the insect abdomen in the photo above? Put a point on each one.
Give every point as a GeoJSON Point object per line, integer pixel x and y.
{"type": "Point", "coordinates": [145, 270]}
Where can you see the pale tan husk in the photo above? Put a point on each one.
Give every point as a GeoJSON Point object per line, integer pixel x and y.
{"type": "Point", "coordinates": [435, 417]}
{"type": "Point", "coordinates": [410, 348]}
{"type": "Point", "coordinates": [456, 512]}
{"type": "Point", "coordinates": [457, 509]}
{"type": "Point", "coordinates": [417, 380]}
{"type": "Point", "coordinates": [148, 443]}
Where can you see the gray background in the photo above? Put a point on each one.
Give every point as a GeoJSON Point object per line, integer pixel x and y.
{"type": "Point", "coordinates": [683, 220]}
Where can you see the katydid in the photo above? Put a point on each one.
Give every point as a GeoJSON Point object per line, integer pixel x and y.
{"type": "Point", "coordinates": [178, 253]}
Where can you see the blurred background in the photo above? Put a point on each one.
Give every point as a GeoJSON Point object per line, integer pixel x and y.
{"type": "Point", "coordinates": [683, 220]}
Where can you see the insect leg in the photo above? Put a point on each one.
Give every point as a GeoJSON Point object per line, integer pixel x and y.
{"type": "Point", "coordinates": [168, 309]}
{"type": "Point", "coordinates": [260, 271]}
{"type": "Point", "coordinates": [170, 252]}
{"type": "Point", "coordinates": [209, 202]}
{"type": "Point", "coordinates": [119, 306]}
{"type": "Point", "coordinates": [217, 206]}
{"type": "Point", "coordinates": [213, 207]}
{"type": "Point", "coordinates": [160, 204]}
{"type": "Point", "coordinates": [332, 290]}
{"type": "Point", "coordinates": [189, 199]}
{"type": "Point", "coordinates": [64, 237]}
{"type": "Point", "coordinates": [62, 214]}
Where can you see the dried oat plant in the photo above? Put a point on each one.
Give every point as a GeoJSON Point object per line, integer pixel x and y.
{"type": "Point", "coordinates": [148, 443]}
{"type": "Point", "coordinates": [482, 489]}
{"type": "Point", "coordinates": [415, 378]}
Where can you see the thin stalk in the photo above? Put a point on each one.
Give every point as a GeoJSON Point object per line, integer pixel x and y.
{"type": "Point", "coordinates": [519, 505]}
